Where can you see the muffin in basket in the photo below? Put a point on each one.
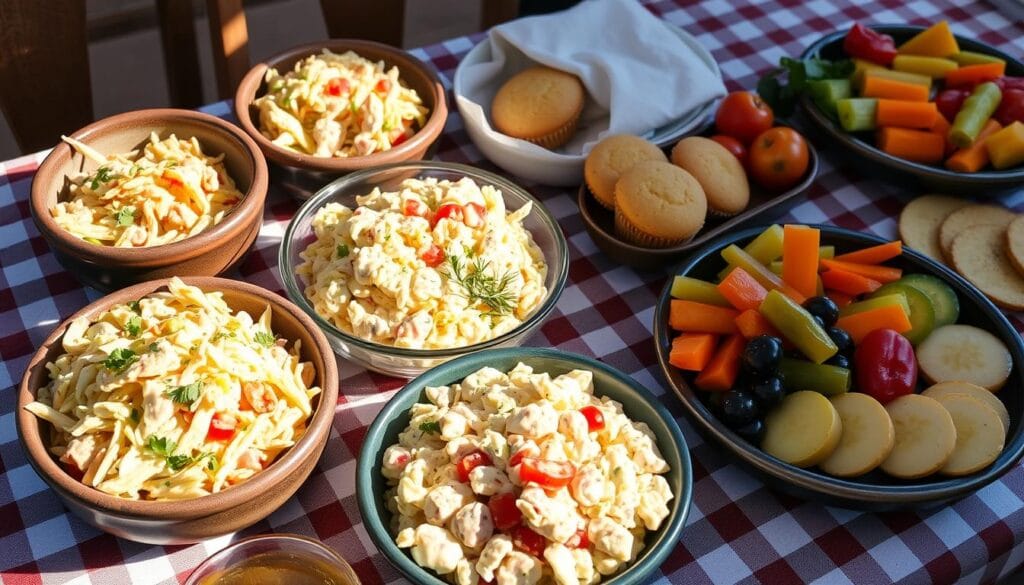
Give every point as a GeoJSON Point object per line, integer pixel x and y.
{"type": "Point", "coordinates": [540, 105]}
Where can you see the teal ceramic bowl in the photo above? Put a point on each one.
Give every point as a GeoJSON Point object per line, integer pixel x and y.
{"type": "Point", "coordinates": [638, 403]}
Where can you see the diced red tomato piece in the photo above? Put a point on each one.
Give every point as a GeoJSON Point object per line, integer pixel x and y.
{"type": "Point", "coordinates": [434, 256]}
{"type": "Point", "coordinates": [222, 427]}
{"type": "Point", "coordinates": [545, 473]}
{"type": "Point", "coordinates": [579, 540]}
{"type": "Point", "coordinates": [415, 207]}
{"type": "Point", "coordinates": [529, 541]}
{"type": "Point", "coordinates": [452, 211]}
{"type": "Point", "coordinates": [405, 135]}
{"type": "Point", "coordinates": [383, 86]}
{"type": "Point", "coordinates": [474, 214]}
{"type": "Point", "coordinates": [504, 511]}
{"type": "Point", "coordinates": [594, 416]}
{"type": "Point", "coordinates": [469, 462]}
{"type": "Point", "coordinates": [336, 87]}
{"type": "Point", "coordinates": [73, 470]}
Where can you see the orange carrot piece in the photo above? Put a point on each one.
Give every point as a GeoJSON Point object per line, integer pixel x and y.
{"type": "Point", "coordinates": [942, 127]}
{"type": "Point", "coordinates": [752, 323]}
{"type": "Point", "coordinates": [904, 114]}
{"type": "Point", "coordinates": [692, 351]}
{"type": "Point", "coordinates": [742, 290]}
{"type": "Point", "coordinates": [882, 274]}
{"type": "Point", "coordinates": [878, 87]}
{"type": "Point", "coordinates": [694, 317]}
{"type": "Point", "coordinates": [860, 324]}
{"type": "Point", "coordinates": [839, 298]}
{"type": "Point", "coordinates": [848, 282]}
{"type": "Point", "coordinates": [800, 258]}
{"type": "Point", "coordinates": [975, 157]}
{"type": "Point", "coordinates": [974, 74]}
{"type": "Point", "coordinates": [720, 373]}
{"type": "Point", "coordinates": [874, 254]}
{"type": "Point", "coordinates": [913, 145]}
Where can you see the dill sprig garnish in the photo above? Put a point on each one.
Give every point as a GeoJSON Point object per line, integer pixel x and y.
{"type": "Point", "coordinates": [480, 286]}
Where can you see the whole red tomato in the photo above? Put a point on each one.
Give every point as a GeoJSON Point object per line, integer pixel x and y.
{"type": "Point", "coordinates": [743, 115]}
{"type": "Point", "coordinates": [1011, 107]}
{"type": "Point", "coordinates": [778, 158]}
{"type": "Point", "coordinates": [734, 146]}
{"type": "Point", "coordinates": [886, 366]}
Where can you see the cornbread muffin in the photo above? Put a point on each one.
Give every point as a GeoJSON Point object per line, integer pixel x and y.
{"type": "Point", "coordinates": [920, 221]}
{"type": "Point", "coordinates": [979, 255]}
{"type": "Point", "coordinates": [658, 205]}
{"type": "Point", "coordinates": [718, 172]}
{"type": "Point", "coordinates": [540, 105]}
{"type": "Point", "coordinates": [612, 157]}
{"type": "Point", "coordinates": [967, 218]}
{"type": "Point", "coordinates": [1015, 243]}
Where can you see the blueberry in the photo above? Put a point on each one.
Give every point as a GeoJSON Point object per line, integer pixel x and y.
{"type": "Point", "coordinates": [753, 431]}
{"type": "Point", "coordinates": [768, 393]}
{"type": "Point", "coordinates": [839, 360]}
{"type": "Point", "coordinates": [824, 309]}
{"type": "Point", "coordinates": [738, 408]}
{"type": "Point", "coordinates": [762, 355]}
{"type": "Point", "coordinates": [842, 340]}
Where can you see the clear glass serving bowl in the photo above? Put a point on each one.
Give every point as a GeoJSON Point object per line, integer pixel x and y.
{"type": "Point", "coordinates": [405, 362]}
{"type": "Point", "coordinates": [279, 549]}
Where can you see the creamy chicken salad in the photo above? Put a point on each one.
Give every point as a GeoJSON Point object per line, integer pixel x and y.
{"type": "Point", "coordinates": [521, 478]}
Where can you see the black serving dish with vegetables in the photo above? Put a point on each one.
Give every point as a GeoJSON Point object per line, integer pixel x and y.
{"type": "Point", "coordinates": [861, 145]}
{"type": "Point", "coordinates": [874, 490]}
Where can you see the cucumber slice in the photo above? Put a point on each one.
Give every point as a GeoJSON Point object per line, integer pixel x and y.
{"type": "Point", "coordinates": [944, 300]}
{"type": "Point", "coordinates": [922, 313]}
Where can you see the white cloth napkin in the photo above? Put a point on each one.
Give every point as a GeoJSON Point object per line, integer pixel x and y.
{"type": "Point", "coordinates": [639, 75]}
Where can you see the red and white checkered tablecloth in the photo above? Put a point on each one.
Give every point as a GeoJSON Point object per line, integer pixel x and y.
{"type": "Point", "coordinates": [738, 530]}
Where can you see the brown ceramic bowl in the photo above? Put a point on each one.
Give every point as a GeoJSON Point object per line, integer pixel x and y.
{"type": "Point", "coordinates": [206, 254]}
{"type": "Point", "coordinates": [185, 521]}
{"type": "Point", "coordinates": [304, 174]}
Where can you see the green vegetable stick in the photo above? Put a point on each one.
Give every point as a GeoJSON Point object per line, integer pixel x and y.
{"type": "Point", "coordinates": [799, 375]}
{"type": "Point", "coordinates": [971, 118]}
{"type": "Point", "coordinates": [857, 114]}
{"type": "Point", "coordinates": [798, 326]}
{"type": "Point", "coordinates": [972, 58]}
{"type": "Point", "coordinates": [826, 92]}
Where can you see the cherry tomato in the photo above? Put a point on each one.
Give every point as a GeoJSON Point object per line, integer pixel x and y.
{"type": "Point", "coordinates": [594, 416]}
{"type": "Point", "coordinates": [434, 256]}
{"type": "Point", "coordinates": [474, 214]}
{"type": "Point", "coordinates": [222, 427]}
{"type": "Point", "coordinates": [734, 146]}
{"type": "Point", "coordinates": [469, 462]}
{"type": "Point", "coordinates": [1011, 107]}
{"type": "Point", "coordinates": [885, 365]}
{"type": "Point", "coordinates": [743, 115]}
{"type": "Point", "coordinates": [949, 102]}
{"type": "Point", "coordinates": [382, 86]}
{"type": "Point", "coordinates": [336, 87]}
{"type": "Point", "coordinates": [529, 541]}
{"type": "Point", "coordinates": [778, 158]}
{"type": "Point", "coordinates": [579, 540]}
{"type": "Point", "coordinates": [1005, 83]}
{"type": "Point", "coordinates": [452, 211]}
{"type": "Point", "coordinates": [415, 207]}
{"type": "Point", "coordinates": [863, 43]}
{"type": "Point", "coordinates": [545, 473]}
{"type": "Point", "coordinates": [504, 511]}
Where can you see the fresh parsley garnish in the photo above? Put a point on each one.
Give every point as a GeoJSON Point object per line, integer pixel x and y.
{"type": "Point", "coordinates": [133, 325]}
{"type": "Point", "coordinates": [119, 360]}
{"type": "Point", "coordinates": [342, 250]}
{"type": "Point", "coordinates": [479, 286]}
{"type": "Point", "coordinates": [154, 347]}
{"type": "Point", "coordinates": [165, 447]}
{"type": "Point", "coordinates": [162, 446]}
{"type": "Point", "coordinates": [176, 462]}
{"type": "Point", "coordinates": [263, 338]}
{"type": "Point", "coordinates": [223, 335]}
{"type": "Point", "coordinates": [103, 175]}
{"type": "Point", "coordinates": [782, 95]}
{"type": "Point", "coordinates": [187, 394]}
{"type": "Point", "coordinates": [125, 216]}
{"type": "Point", "coordinates": [135, 306]}
{"type": "Point", "coordinates": [431, 427]}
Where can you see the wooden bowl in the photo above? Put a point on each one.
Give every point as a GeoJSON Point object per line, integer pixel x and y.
{"type": "Point", "coordinates": [185, 521]}
{"type": "Point", "coordinates": [876, 490]}
{"type": "Point", "coordinates": [304, 174]}
{"type": "Point", "coordinates": [209, 253]}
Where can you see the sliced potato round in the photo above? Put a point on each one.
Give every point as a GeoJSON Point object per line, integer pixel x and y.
{"type": "Point", "coordinates": [977, 392]}
{"type": "Point", "coordinates": [803, 430]}
{"type": "Point", "coordinates": [925, 437]}
{"type": "Point", "coordinates": [979, 435]}
{"type": "Point", "coordinates": [867, 439]}
{"type": "Point", "coordinates": [967, 354]}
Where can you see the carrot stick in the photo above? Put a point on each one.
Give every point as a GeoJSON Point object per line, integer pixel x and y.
{"type": "Point", "coordinates": [974, 74]}
{"type": "Point", "coordinates": [840, 299]}
{"type": "Point", "coordinates": [742, 290]}
{"type": "Point", "coordinates": [752, 323]}
{"type": "Point", "coordinates": [848, 282]}
{"type": "Point", "coordinates": [874, 254]}
{"type": "Point", "coordinates": [975, 157]}
{"type": "Point", "coordinates": [904, 114]}
{"type": "Point", "coordinates": [913, 145]}
{"type": "Point", "coordinates": [720, 373]}
{"type": "Point", "coordinates": [692, 351]}
{"type": "Point", "coordinates": [692, 317]}
{"type": "Point", "coordinates": [860, 324]}
{"type": "Point", "coordinates": [879, 87]}
{"type": "Point", "coordinates": [882, 274]}
{"type": "Point", "coordinates": [800, 258]}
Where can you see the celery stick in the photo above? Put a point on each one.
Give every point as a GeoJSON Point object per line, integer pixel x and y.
{"type": "Point", "coordinates": [857, 114]}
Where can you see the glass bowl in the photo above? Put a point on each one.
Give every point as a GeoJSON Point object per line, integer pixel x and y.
{"type": "Point", "coordinates": [283, 549]}
{"type": "Point", "coordinates": [405, 362]}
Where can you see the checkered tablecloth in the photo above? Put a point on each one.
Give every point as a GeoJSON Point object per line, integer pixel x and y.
{"type": "Point", "coordinates": [738, 530]}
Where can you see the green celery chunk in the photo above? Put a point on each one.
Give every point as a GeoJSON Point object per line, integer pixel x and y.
{"type": "Point", "coordinates": [857, 114]}
{"type": "Point", "coordinates": [798, 375]}
{"type": "Point", "coordinates": [694, 289]}
{"type": "Point", "coordinates": [977, 109]}
{"type": "Point", "coordinates": [971, 58]}
{"type": "Point", "coordinates": [798, 326]}
{"type": "Point", "coordinates": [767, 246]}
{"type": "Point", "coordinates": [826, 92]}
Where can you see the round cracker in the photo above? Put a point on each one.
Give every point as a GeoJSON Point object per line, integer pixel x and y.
{"type": "Point", "coordinates": [1015, 243]}
{"type": "Point", "coordinates": [979, 255]}
{"type": "Point", "coordinates": [968, 217]}
{"type": "Point", "coordinates": [920, 221]}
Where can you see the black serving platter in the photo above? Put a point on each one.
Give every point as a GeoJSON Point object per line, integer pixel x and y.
{"type": "Point", "coordinates": [860, 150]}
{"type": "Point", "coordinates": [876, 490]}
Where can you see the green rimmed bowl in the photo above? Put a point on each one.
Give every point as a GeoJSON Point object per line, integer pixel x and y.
{"type": "Point", "coordinates": [638, 403]}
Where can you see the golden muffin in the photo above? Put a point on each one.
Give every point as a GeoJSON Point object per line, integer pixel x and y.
{"type": "Point", "coordinates": [718, 172]}
{"type": "Point", "coordinates": [612, 157]}
{"type": "Point", "coordinates": [658, 205]}
{"type": "Point", "coordinates": [540, 105]}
